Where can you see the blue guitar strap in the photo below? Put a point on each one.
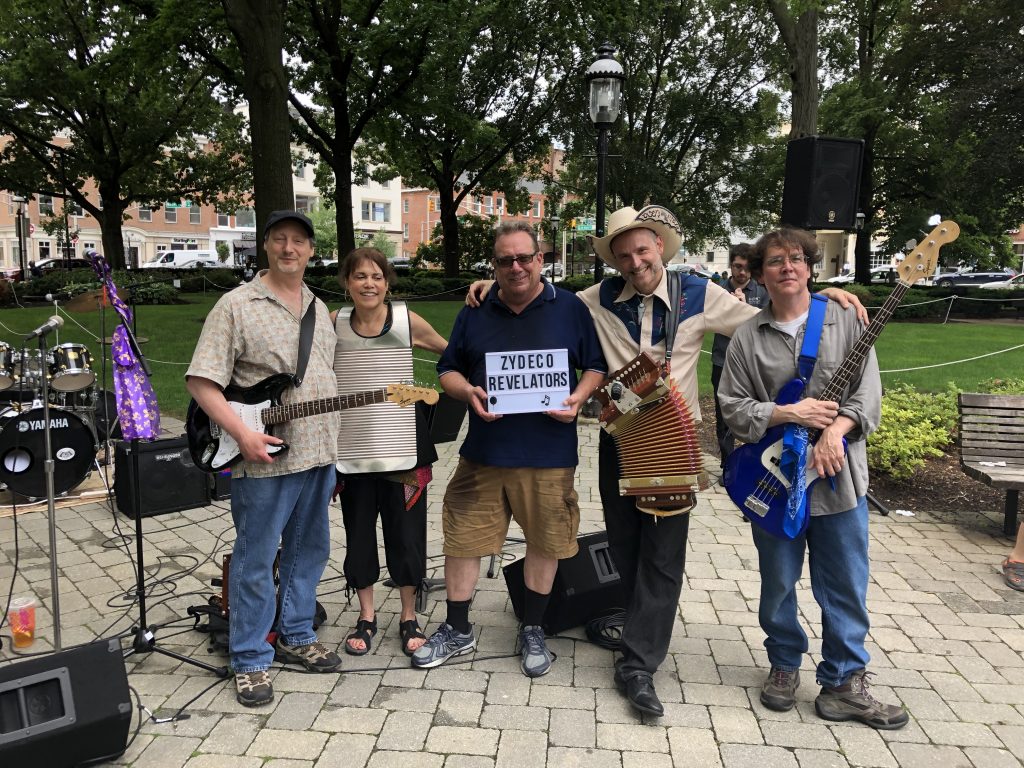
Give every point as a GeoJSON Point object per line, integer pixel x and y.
{"type": "Point", "coordinates": [793, 462]}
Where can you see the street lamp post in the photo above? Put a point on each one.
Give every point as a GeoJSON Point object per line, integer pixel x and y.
{"type": "Point", "coordinates": [553, 219]}
{"type": "Point", "coordinates": [604, 78]}
{"type": "Point", "coordinates": [20, 201]}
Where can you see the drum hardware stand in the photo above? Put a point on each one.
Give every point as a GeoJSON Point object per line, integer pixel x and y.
{"type": "Point", "coordinates": [144, 640]}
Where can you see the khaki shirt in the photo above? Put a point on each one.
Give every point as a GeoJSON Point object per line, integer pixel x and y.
{"type": "Point", "coordinates": [707, 308]}
{"type": "Point", "coordinates": [250, 335]}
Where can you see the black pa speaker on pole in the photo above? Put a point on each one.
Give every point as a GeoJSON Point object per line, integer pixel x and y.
{"type": "Point", "coordinates": [586, 586]}
{"type": "Point", "coordinates": [66, 709]}
{"type": "Point", "coordinates": [822, 182]}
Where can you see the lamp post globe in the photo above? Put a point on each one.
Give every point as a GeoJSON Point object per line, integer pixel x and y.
{"type": "Point", "coordinates": [604, 79]}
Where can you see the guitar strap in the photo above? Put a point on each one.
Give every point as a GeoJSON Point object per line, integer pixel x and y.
{"type": "Point", "coordinates": [793, 461]}
{"type": "Point", "coordinates": [305, 341]}
{"type": "Point", "coordinates": [675, 292]}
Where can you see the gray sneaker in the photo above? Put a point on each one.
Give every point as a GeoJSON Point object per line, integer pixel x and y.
{"type": "Point", "coordinates": [535, 658]}
{"type": "Point", "coordinates": [779, 690]}
{"type": "Point", "coordinates": [316, 657]}
{"type": "Point", "coordinates": [853, 701]}
{"type": "Point", "coordinates": [253, 689]}
{"type": "Point", "coordinates": [445, 643]}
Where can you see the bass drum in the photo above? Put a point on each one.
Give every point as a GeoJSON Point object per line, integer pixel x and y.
{"type": "Point", "coordinates": [23, 452]}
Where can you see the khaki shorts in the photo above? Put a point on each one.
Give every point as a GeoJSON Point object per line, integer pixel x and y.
{"type": "Point", "coordinates": [481, 500]}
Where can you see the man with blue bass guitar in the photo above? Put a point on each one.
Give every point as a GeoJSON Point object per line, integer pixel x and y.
{"type": "Point", "coordinates": [263, 330]}
{"type": "Point", "coordinates": [801, 368]}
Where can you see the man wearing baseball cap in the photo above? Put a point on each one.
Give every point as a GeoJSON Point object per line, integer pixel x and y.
{"type": "Point", "coordinates": [277, 499]}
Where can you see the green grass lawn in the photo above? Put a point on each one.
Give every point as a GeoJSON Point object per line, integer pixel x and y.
{"type": "Point", "coordinates": [172, 332]}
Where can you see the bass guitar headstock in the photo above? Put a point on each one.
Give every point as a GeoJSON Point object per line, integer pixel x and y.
{"type": "Point", "coordinates": [924, 258]}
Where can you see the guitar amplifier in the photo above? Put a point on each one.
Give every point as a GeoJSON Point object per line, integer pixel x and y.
{"type": "Point", "coordinates": [168, 479]}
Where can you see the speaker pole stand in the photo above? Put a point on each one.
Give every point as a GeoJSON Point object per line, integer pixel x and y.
{"type": "Point", "coordinates": [144, 640]}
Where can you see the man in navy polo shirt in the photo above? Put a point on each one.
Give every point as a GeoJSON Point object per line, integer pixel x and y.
{"type": "Point", "coordinates": [520, 465]}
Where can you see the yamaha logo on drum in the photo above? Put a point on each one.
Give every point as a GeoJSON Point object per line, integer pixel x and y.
{"type": "Point", "coordinates": [33, 425]}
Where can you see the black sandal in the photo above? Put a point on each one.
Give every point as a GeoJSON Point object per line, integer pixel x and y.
{"type": "Point", "coordinates": [365, 631]}
{"type": "Point", "coordinates": [409, 630]}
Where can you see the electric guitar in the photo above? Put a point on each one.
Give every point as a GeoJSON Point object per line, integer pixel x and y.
{"type": "Point", "coordinates": [753, 476]}
{"type": "Point", "coordinates": [260, 408]}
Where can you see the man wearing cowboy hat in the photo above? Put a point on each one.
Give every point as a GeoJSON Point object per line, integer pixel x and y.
{"type": "Point", "coordinates": [629, 311]}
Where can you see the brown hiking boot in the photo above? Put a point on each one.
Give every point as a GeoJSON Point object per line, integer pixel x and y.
{"type": "Point", "coordinates": [853, 701]}
{"type": "Point", "coordinates": [779, 690]}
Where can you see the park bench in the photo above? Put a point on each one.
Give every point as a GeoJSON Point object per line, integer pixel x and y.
{"type": "Point", "coordinates": [992, 446]}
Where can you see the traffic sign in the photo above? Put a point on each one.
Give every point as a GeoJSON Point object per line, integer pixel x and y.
{"type": "Point", "coordinates": [585, 225]}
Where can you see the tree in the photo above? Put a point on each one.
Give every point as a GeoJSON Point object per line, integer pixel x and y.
{"type": "Point", "coordinates": [479, 119]}
{"type": "Point", "coordinates": [476, 243]}
{"type": "Point", "coordinates": [325, 227]}
{"type": "Point", "coordinates": [356, 59]}
{"type": "Point", "coordinates": [695, 112]}
{"type": "Point", "coordinates": [797, 22]}
{"type": "Point", "coordinates": [258, 28]}
{"type": "Point", "coordinates": [96, 93]}
{"type": "Point", "coordinates": [933, 89]}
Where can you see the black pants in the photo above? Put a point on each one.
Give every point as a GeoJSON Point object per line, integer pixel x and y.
{"type": "Point", "coordinates": [405, 532]}
{"type": "Point", "coordinates": [726, 442]}
{"type": "Point", "coordinates": [650, 554]}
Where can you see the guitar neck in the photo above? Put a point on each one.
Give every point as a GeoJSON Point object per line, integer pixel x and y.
{"type": "Point", "coordinates": [278, 414]}
{"type": "Point", "coordinates": [855, 359]}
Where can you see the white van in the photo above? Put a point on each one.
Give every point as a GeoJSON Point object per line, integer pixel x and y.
{"type": "Point", "coordinates": [183, 260]}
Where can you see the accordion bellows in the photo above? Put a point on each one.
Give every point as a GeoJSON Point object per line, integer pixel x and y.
{"type": "Point", "coordinates": [659, 452]}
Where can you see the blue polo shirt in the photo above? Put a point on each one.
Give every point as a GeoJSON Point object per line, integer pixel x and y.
{"type": "Point", "coordinates": [556, 319]}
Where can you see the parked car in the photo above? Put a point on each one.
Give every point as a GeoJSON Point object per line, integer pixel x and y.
{"type": "Point", "coordinates": [1005, 285]}
{"type": "Point", "coordinates": [879, 276]}
{"type": "Point", "coordinates": [692, 269]}
{"type": "Point", "coordinates": [183, 260]}
{"type": "Point", "coordinates": [552, 269]}
{"type": "Point", "coordinates": [48, 265]}
{"type": "Point", "coordinates": [973, 277]}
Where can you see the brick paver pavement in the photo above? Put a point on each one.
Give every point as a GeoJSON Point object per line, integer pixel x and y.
{"type": "Point", "coordinates": [946, 641]}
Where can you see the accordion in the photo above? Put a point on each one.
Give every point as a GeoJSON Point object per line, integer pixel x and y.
{"type": "Point", "coordinates": [655, 437]}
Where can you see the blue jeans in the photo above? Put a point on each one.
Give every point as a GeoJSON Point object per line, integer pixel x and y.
{"type": "Point", "coordinates": [290, 510]}
{"type": "Point", "coordinates": [838, 546]}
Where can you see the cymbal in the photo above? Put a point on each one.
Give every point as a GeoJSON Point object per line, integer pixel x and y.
{"type": "Point", "coordinates": [84, 302]}
{"type": "Point", "coordinates": [110, 340]}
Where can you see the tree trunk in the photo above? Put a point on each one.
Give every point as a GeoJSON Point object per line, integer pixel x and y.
{"type": "Point", "coordinates": [258, 27]}
{"type": "Point", "coordinates": [800, 36]}
{"type": "Point", "coordinates": [344, 215]}
{"type": "Point", "coordinates": [112, 217]}
{"type": "Point", "coordinates": [449, 231]}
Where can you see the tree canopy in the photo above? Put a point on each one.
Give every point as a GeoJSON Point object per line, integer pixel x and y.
{"type": "Point", "coordinates": [96, 93]}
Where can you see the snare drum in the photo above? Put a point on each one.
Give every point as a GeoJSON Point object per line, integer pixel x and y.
{"type": "Point", "coordinates": [71, 368]}
{"type": "Point", "coordinates": [6, 366]}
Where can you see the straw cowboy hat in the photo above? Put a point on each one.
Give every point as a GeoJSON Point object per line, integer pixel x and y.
{"type": "Point", "coordinates": [656, 218]}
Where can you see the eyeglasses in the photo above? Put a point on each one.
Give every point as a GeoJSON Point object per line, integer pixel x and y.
{"type": "Point", "coordinates": [506, 262]}
{"type": "Point", "coordinates": [793, 258]}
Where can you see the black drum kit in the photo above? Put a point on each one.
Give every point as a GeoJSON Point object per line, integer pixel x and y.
{"type": "Point", "coordinates": [82, 417]}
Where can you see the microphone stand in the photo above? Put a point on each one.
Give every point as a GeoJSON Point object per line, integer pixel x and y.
{"type": "Point", "coordinates": [51, 509]}
{"type": "Point", "coordinates": [144, 640]}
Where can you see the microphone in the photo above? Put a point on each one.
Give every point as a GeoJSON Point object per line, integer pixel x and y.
{"type": "Point", "coordinates": [52, 324]}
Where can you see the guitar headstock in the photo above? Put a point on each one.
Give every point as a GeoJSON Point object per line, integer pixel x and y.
{"type": "Point", "coordinates": [922, 260]}
{"type": "Point", "coordinates": [403, 394]}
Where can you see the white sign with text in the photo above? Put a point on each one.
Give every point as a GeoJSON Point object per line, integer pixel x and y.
{"type": "Point", "coordinates": [529, 381]}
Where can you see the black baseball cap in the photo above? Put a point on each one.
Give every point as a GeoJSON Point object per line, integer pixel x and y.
{"type": "Point", "coordinates": [276, 217]}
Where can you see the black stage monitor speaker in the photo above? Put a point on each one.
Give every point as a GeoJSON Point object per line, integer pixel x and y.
{"type": "Point", "coordinates": [169, 480]}
{"type": "Point", "coordinates": [66, 709]}
{"type": "Point", "coordinates": [586, 586]}
{"type": "Point", "coordinates": [822, 182]}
